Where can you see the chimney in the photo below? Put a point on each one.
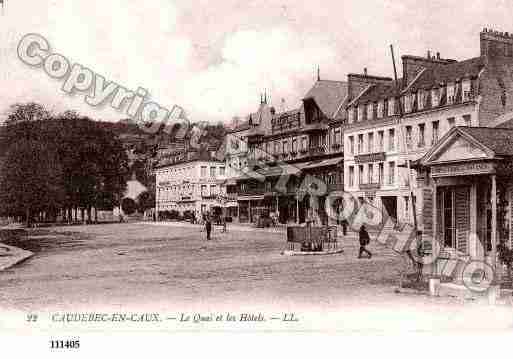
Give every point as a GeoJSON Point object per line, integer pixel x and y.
{"type": "Point", "coordinates": [494, 43]}
{"type": "Point", "coordinates": [438, 56]}
{"type": "Point", "coordinates": [364, 71]}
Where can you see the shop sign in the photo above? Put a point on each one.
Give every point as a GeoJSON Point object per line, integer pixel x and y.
{"type": "Point", "coordinates": [462, 169]}
{"type": "Point", "coordinates": [370, 157]}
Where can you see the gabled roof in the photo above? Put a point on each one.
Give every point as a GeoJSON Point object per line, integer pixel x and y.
{"type": "Point", "coordinates": [328, 95]}
{"type": "Point", "coordinates": [496, 142]}
{"type": "Point", "coordinates": [443, 74]}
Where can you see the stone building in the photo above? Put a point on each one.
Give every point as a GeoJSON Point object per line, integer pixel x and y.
{"type": "Point", "coordinates": [433, 96]}
{"type": "Point", "coordinates": [287, 147]}
{"type": "Point", "coordinates": [195, 184]}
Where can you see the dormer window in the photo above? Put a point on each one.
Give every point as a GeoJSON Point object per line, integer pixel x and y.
{"type": "Point", "coordinates": [379, 112]}
{"type": "Point", "coordinates": [420, 99]}
{"type": "Point", "coordinates": [451, 94]}
{"type": "Point", "coordinates": [391, 106]}
{"type": "Point", "coordinates": [407, 103]}
{"type": "Point", "coordinates": [466, 89]}
{"type": "Point", "coordinates": [370, 111]}
{"type": "Point", "coordinates": [361, 113]}
{"type": "Point", "coordinates": [351, 114]}
{"type": "Point", "coordinates": [435, 97]}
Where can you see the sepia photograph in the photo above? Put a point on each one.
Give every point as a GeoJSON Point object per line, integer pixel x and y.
{"type": "Point", "coordinates": [176, 170]}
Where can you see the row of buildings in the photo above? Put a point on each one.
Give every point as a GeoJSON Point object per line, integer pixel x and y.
{"type": "Point", "coordinates": [449, 118]}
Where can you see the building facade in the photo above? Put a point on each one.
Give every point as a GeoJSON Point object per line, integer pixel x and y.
{"type": "Point", "coordinates": [194, 186]}
{"type": "Point", "coordinates": [390, 122]}
{"type": "Point", "coordinates": [288, 148]}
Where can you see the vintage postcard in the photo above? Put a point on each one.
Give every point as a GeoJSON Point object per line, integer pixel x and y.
{"type": "Point", "coordinates": [184, 168]}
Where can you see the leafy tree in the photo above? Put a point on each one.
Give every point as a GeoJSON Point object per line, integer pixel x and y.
{"type": "Point", "coordinates": [31, 180]}
{"type": "Point", "coordinates": [146, 200]}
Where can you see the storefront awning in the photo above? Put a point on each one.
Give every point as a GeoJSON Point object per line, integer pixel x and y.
{"type": "Point", "coordinates": [324, 163]}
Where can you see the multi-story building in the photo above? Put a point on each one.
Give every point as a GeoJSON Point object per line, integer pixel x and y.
{"type": "Point", "coordinates": [285, 148]}
{"type": "Point", "coordinates": [194, 185]}
{"type": "Point", "coordinates": [433, 96]}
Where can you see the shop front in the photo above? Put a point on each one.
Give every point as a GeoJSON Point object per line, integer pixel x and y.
{"type": "Point", "coordinates": [468, 196]}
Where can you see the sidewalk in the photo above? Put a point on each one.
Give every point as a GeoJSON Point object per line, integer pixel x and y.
{"type": "Point", "coordinates": [10, 256]}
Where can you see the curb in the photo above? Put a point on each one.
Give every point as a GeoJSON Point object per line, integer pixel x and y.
{"type": "Point", "coordinates": [10, 256]}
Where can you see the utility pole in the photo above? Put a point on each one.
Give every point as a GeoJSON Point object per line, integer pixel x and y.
{"type": "Point", "coordinates": [406, 150]}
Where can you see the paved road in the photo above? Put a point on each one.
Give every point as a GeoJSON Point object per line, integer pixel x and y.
{"type": "Point", "coordinates": [120, 266]}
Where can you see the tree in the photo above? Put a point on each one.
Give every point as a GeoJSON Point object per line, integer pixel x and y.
{"type": "Point", "coordinates": [146, 200]}
{"type": "Point", "coordinates": [31, 180]}
{"type": "Point", "coordinates": [128, 206]}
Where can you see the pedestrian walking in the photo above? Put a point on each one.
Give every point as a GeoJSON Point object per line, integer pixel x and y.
{"type": "Point", "coordinates": [364, 241]}
{"type": "Point", "coordinates": [208, 225]}
{"type": "Point", "coordinates": [224, 224]}
{"type": "Point", "coordinates": [344, 226]}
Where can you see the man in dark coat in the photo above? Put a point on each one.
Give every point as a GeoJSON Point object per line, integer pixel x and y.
{"type": "Point", "coordinates": [208, 225]}
{"type": "Point", "coordinates": [364, 240]}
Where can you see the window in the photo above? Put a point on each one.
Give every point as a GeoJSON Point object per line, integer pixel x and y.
{"type": "Point", "coordinates": [361, 113]}
{"type": "Point", "coordinates": [421, 99]}
{"type": "Point", "coordinates": [409, 136]}
{"type": "Point", "coordinates": [381, 173]}
{"type": "Point", "coordinates": [385, 108]}
{"type": "Point", "coordinates": [336, 136]}
{"type": "Point", "coordinates": [212, 171]}
{"type": "Point", "coordinates": [451, 122]}
{"type": "Point", "coordinates": [370, 111]}
{"type": "Point", "coordinates": [351, 114]}
{"type": "Point", "coordinates": [435, 132]}
{"type": "Point", "coordinates": [351, 145]}
{"type": "Point", "coordinates": [391, 139]}
{"type": "Point", "coordinates": [360, 174]}
{"type": "Point", "coordinates": [360, 143]}
{"type": "Point", "coordinates": [450, 93]}
{"type": "Point", "coordinates": [221, 171]}
{"type": "Point", "coordinates": [277, 148]}
{"type": "Point", "coordinates": [379, 112]}
{"type": "Point", "coordinates": [435, 97]}
{"type": "Point", "coordinates": [204, 190]}
{"type": "Point", "coordinates": [370, 173]}
{"type": "Point", "coordinates": [406, 207]}
{"type": "Point", "coordinates": [213, 189]}
{"type": "Point", "coordinates": [391, 105]}
{"type": "Point", "coordinates": [381, 139]}
{"type": "Point", "coordinates": [422, 132]}
{"type": "Point", "coordinates": [294, 145]}
{"type": "Point", "coordinates": [407, 103]}
{"type": "Point", "coordinates": [370, 143]}
{"type": "Point", "coordinates": [203, 171]}
{"type": "Point", "coordinates": [303, 143]}
{"type": "Point", "coordinates": [466, 89]}
{"type": "Point", "coordinates": [285, 147]}
{"type": "Point", "coordinates": [351, 176]}
{"type": "Point", "coordinates": [466, 120]}
{"type": "Point", "coordinates": [391, 172]}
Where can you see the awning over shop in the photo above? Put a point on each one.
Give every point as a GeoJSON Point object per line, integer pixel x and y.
{"type": "Point", "coordinates": [324, 163]}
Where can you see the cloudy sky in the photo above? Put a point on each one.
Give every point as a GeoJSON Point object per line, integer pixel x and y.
{"type": "Point", "coordinates": [214, 58]}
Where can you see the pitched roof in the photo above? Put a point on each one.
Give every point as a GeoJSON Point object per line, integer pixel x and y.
{"type": "Point", "coordinates": [499, 140]}
{"type": "Point", "coordinates": [328, 95]}
{"type": "Point", "coordinates": [379, 91]}
{"type": "Point", "coordinates": [436, 75]}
